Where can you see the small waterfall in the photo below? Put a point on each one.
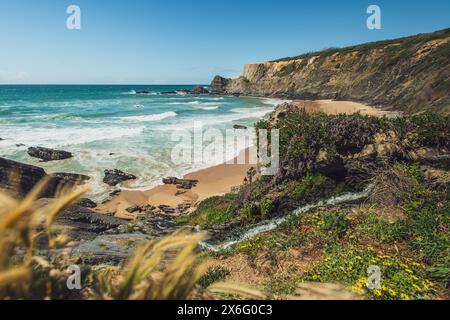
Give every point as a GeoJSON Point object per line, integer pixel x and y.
{"type": "Point", "coordinates": [269, 225]}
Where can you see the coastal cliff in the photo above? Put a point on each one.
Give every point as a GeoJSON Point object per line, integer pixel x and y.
{"type": "Point", "coordinates": [410, 74]}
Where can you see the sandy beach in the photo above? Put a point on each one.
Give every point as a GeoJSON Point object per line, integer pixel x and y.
{"type": "Point", "coordinates": [332, 107]}
{"type": "Point", "coordinates": [212, 181]}
{"type": "Point", "coordinates": [219, 179]}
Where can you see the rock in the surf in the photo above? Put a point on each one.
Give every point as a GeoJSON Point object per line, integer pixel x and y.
{"type": "Point", "coordinates": [47, 154]}
{"type": "Point", "coordinates": [200, 90]}
{"type": "Point", "coordinates": [114, 177]}
{"type": "Point", "coordinates": [75, 177]}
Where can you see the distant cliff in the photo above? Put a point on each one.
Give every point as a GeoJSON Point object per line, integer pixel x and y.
{"type": "Point", "coordinates": [411, 74]}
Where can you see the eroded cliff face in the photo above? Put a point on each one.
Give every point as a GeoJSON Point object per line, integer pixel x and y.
{"type": "Point", "coordinates": [410, 74]}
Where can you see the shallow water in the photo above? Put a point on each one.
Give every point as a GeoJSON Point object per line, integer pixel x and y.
{"type": "Point", "coordinates": [108, 127]}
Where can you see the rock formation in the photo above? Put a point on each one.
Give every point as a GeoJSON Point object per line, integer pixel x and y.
{"type": "Point", "coordinates": [114, 177]}
{"type": "Point", "coordinates": [200, 90]}
{"type": "Point", "coordinates": [47, 154]}
{"type": "Point", "coordinates": [180, 183]}
{"type": "Point", "coordinates": [409, 74]}
{"type": "Point", "coordinates": [19, 178]}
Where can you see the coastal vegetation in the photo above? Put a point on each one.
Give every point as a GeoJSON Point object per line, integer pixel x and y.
{"type": "Point", "coordinates": [401, 227]}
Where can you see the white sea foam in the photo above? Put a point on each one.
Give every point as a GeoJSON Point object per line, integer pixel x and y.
{"type": "Point", "coordinates": [150, 117]}
{"type": "Point", "coordinates": [196, 102]}
{"type": "Point", "coordinates": [274, 101]}
{"type": "Point", "coordinates": [236, 115]}
{"type": "Point", "coordinates": [200, 104]}
{"type": "Point", "coordinates": [252, 112]}
{"type": "Point", "coordinates": [57, 137]}
{"type": "Point", "coordinates": [207, 108]}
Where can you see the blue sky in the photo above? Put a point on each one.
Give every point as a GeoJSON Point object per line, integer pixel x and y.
{"type": "Point", "coordinates": [177, 42]}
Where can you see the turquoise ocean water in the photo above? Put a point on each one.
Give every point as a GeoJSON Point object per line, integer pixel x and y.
{"type": "Point", "coordinates": [108, 127]}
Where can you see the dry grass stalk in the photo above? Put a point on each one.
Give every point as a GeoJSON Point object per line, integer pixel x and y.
{"type": "Point", "coordinates": [160, 269]}
{"type": "Point", "coordinates": [21, 223]}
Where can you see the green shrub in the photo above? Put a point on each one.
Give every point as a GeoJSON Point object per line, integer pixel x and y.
{"type": "Point", "coordinates": [251, 212]}
{"type": "Point", "coordinates": [266, 207]}
{"type": "Point", "coordinates": [334, 222]}
{"type": "Point", "coordinates": [375, 228]}
{"type": "Point", "coordinates": [414, 171]}
{"type": "Point", "coordinates": [426, 228]}
{"type": "Point", "coordinates": [182, 220]}
{"type": "Point", "coordinates": [309, 186]}
{"type": "Point", "coordinates": [440, 273]}
{"type": "Point", "coordinates": [352, 133]}
{"type": "Point", "coordinates": [428, 129]}
{"type": "Point", "coordinates": [214, 210]}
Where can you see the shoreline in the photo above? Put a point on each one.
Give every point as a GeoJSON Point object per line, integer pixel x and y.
{"type": "Point", "coordinates": [218, 179]}
{"type": "Point", "coordinates": [212, 181]}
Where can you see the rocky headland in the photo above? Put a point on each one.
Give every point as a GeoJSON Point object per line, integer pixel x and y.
{"type": "Point", "coordinates": [410, 74]}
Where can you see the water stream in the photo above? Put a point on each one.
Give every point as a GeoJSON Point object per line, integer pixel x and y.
{"type": "Point", "coordinates": [269, 225]}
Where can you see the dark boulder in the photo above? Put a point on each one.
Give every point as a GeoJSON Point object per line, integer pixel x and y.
{"type": "Point", "coordinates": [19, 178]}
{"type": "Point", "coordinates": [108, 249]}
{"type": "Point", "coordinates": [218, 85]}
{"type": "Point", "coordinates": [200, 90]}
{"type": "Point", "coordinates": [72, 177]}
{"type": "Point", "coordinates": [167, 209]}
{"type": "Point", "coordinates": [115, 193]}
{"type": "Point", "coordinates": [187, 184]}
{"type": "Point", "coordinates": [146, 208]}
{"type": "Point", "coordinates": [86, 203]}
{"type": "Point", "coordinates": [61, 180]}
{"type": "Point", "coordinates": [134, 209]}
{"type": "Point", "coordinates": [47, 154]}
{"type": "Point", "coordinates": [81, 223]}
{"type": "Point", "coordinates": [239, 127]}
{"type": "Point", "coordinates": [180, 183]}
{"type": "Point", "coordinates": [114, 177]}
{"type": "Point", "coordinates": [170, 180]}
{"type": "Point", "coordinates": [168, 92]}
{"type": "Point", "coordinates": [85, 220]}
